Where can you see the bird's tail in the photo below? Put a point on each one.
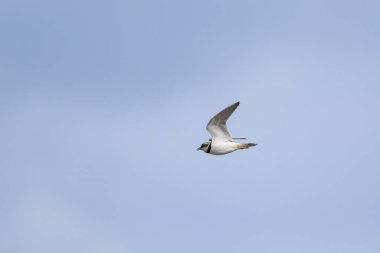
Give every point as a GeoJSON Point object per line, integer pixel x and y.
{"type": "Point", "coordinates": [247, 145]}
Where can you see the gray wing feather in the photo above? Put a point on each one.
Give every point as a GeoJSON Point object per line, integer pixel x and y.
{"type": "Point", "coordinates": [217, 126]}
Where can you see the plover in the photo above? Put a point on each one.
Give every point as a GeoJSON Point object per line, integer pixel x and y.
{"type": "Point", "coordinates": [221, 142]}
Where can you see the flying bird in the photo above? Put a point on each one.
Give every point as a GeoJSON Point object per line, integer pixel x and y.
{"type": "Point", "coordinates": [221, 142]}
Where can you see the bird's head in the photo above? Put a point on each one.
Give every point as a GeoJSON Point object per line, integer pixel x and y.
{"type": "Point", "coordinates": [204, 146]}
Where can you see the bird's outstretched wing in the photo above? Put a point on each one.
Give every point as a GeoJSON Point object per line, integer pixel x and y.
{"type": "Point", "coordinates": [217, 126]}
{"type": "Point", "coordinates": [234, 138]}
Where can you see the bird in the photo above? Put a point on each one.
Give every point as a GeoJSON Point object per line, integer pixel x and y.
{"type": "Point", "coordinates": [221, 142]}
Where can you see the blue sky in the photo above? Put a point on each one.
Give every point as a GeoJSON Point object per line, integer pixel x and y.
{"type": "Point", "coordinates": [103, 104]}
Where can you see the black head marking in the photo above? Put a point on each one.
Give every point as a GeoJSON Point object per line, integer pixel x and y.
{"type": "Point", "coordinates": [209, 148]}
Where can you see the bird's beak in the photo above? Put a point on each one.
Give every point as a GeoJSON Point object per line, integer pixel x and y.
{"type": "Point", "coordinates": [198, 149]}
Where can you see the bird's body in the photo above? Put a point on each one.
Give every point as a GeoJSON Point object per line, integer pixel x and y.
{"type": "Point", "coordinates": [223, 148]}
{"type": "Point", "coordinates": [221, 142]}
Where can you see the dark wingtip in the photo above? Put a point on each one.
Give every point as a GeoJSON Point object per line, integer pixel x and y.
{"type": "Point", "coordinates": [236, 104]}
